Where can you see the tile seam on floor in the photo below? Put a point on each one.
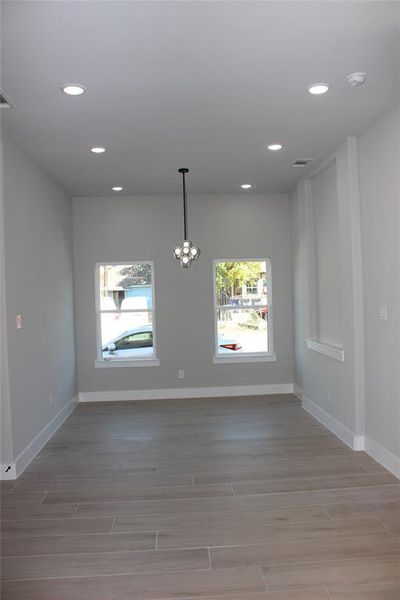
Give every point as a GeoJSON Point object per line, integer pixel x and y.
{"type": "Point", "coordinates": [69, 535]}
{"type": "Point", "coordinates": [115, 575]}
{"type": "Point", "coordinates": [112, 524]}
{"type": "Point", "coordinates": [267, 510]}
{"type": "Point", "coordinates": [51, 518]}
{"type": "Point", "coordinates": [391, 557]}
{"type": "Point", "coordinates": [386, 528]}
{"type": "Point", "coordinates": [145, 499]}
{"type": "Point", "coordinates": [273, 589]}
{"type": "Point", "coordinates": [42, 500]}
{"type": "Point", "coordinates": [264, 579]}
{"type": "Point", "coordinates": [388, 555]}
{"type": "Point", "coordinates": [107, 552]}
{"type": "Point", "coordinates": [338, 538]}
{"type": "Point", "coordinates": [364, 488]}
{"type": "Point", "coordinates": [261, 481]}
{"type": "Point", "coordinates": [202, 570]}
{"type": "Point", "coordinates": [209, 559]}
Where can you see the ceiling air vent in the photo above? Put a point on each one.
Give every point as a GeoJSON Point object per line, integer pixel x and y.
{"type": "Point", "coordinates": [4, 102]}
{"type": "Point", "coordinates": [302, 162]}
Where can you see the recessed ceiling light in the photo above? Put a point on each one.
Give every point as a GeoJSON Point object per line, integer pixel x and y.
{"type": "Point", "coordinates": [98, 149]}
{"type": "Point", "coordinates": [117, 188]}
{"type": "Point", "coordinates": [73, 89]}
{"type": "Point", "coordinates": [275, 147]}
{"type": "Point", "coordinates": [318, 88]}
{"type": "Point", "coordinates": [246, 186]}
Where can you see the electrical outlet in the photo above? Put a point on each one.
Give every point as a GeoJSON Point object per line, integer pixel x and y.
{"type": "Point", "coordinates": [181, 374]}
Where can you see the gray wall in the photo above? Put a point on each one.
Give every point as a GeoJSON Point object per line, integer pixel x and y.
{"type": "Point", "coordinates": [318, 375]}
{"type": "Point", "coordinates": [6, 452]}
{"type": "Point", "coordinates": [379, 160]}
{"type": "Point", "coordinates": [147, 228]}
{"type": "Point", "coordinates": [365, 388]}
{"type": "Point", "coordinates": [39, 285]}
{"type": "Point", "coordinates": [328, 291]}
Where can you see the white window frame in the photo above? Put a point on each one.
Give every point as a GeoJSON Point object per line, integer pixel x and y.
{"type": "Point", "coordinates": [245, 357]}
{"type": "Point", "coordinates": [148, 361]}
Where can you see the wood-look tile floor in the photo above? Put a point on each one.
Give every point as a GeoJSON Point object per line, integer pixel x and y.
{"type": "Point", "coordinates": [214, 499]}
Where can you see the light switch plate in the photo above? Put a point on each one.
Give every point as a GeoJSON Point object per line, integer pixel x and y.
{"type": "Point", "coordinates": [383, 313]}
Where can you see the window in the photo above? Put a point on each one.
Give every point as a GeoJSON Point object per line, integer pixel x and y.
{"type": "Point", "coordinates": [243, 315]}
{"type": "Point", "coordinates": [125, 313]}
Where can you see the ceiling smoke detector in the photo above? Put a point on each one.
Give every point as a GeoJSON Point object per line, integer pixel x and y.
{"type": "Point", "coordinates": [355, 79]}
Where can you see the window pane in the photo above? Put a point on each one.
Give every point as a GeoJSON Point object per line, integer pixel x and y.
{"type": "Point", "coordinates": [242, 330]}
{"type": "Point", "coordinates": [241, 283]}
{"type": "Point", "coordinates": [125, 287]}
{"type": "Point", "coordinates": [125, 335]}
{"type": "Point", "coordinates": [135, 340]}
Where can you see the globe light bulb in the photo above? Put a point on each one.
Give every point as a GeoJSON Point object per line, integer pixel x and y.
{"type": "Point", "coordinates": [194, 252]}
{"type": "Point", "coordinates": [178, 251]}
{"type": "Point", "coordinates": [185, 262]}
{"type": "Point", "coordinates": [186, 250]}
{"type": "Point", "coordinates": [186, 244]}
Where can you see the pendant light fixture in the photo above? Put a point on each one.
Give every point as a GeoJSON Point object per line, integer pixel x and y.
{"type": "Point", "coordinates": [186, 252]}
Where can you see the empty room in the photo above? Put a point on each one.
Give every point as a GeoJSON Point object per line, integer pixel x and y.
{"type": "Point", "coordinates": [199, 300]}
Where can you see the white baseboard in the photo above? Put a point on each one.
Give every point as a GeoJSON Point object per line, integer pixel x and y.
{"type": "Point", "coordinates": [297, 391]}
{"type": "Point", "coordinates": [383, 456]}
{"type": "Point", "coordinates": [332, 424]}
{"type": "Point", "coordinates": [202, 392]}
{"type": "Point", "coordinates": [33, 448]}
{"type": "Point", "coordinates": [356, 442]}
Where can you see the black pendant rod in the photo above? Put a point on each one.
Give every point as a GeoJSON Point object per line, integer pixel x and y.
{"type": "Point", "coordinates": [184, 171]}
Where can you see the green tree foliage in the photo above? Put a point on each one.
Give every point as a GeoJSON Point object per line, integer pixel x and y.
{"type": "Point", "coordinates": [135, 275]}
{"type": "Point", "coordinates": [232, 275]}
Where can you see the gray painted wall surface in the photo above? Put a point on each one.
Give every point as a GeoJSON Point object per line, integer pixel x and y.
{"type": "Point", "coordinates": [370, 408]}
{"type": "Point", "coordinates": [147, 228]}
{"type": "Point", "coordinates": [316, 373]}
{"type": "Point", "coordinates": [6, 453]}
{"type": "Point", "coordinates": [39, 285]}
{"type": "Point", "coordinates": [5, 417]}
{"type": "Point", "coordinates": [328, 291]}
{"type": "Point", "coordinates": [379, 161]}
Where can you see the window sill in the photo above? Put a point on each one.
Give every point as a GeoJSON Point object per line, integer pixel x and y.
{"type": "Point", "coordinates": [244, 358]}
{"type": "Point", "coordinates": [140, 362]}
{"type": "Point", "coordinates": [335, 352]}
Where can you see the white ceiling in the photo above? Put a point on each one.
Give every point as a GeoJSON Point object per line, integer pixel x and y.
{"type": "Point", "coordinates": [205, 85]}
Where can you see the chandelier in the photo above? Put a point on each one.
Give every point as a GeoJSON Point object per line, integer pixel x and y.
{"type": "Point", "coordinates": [186, 252]}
